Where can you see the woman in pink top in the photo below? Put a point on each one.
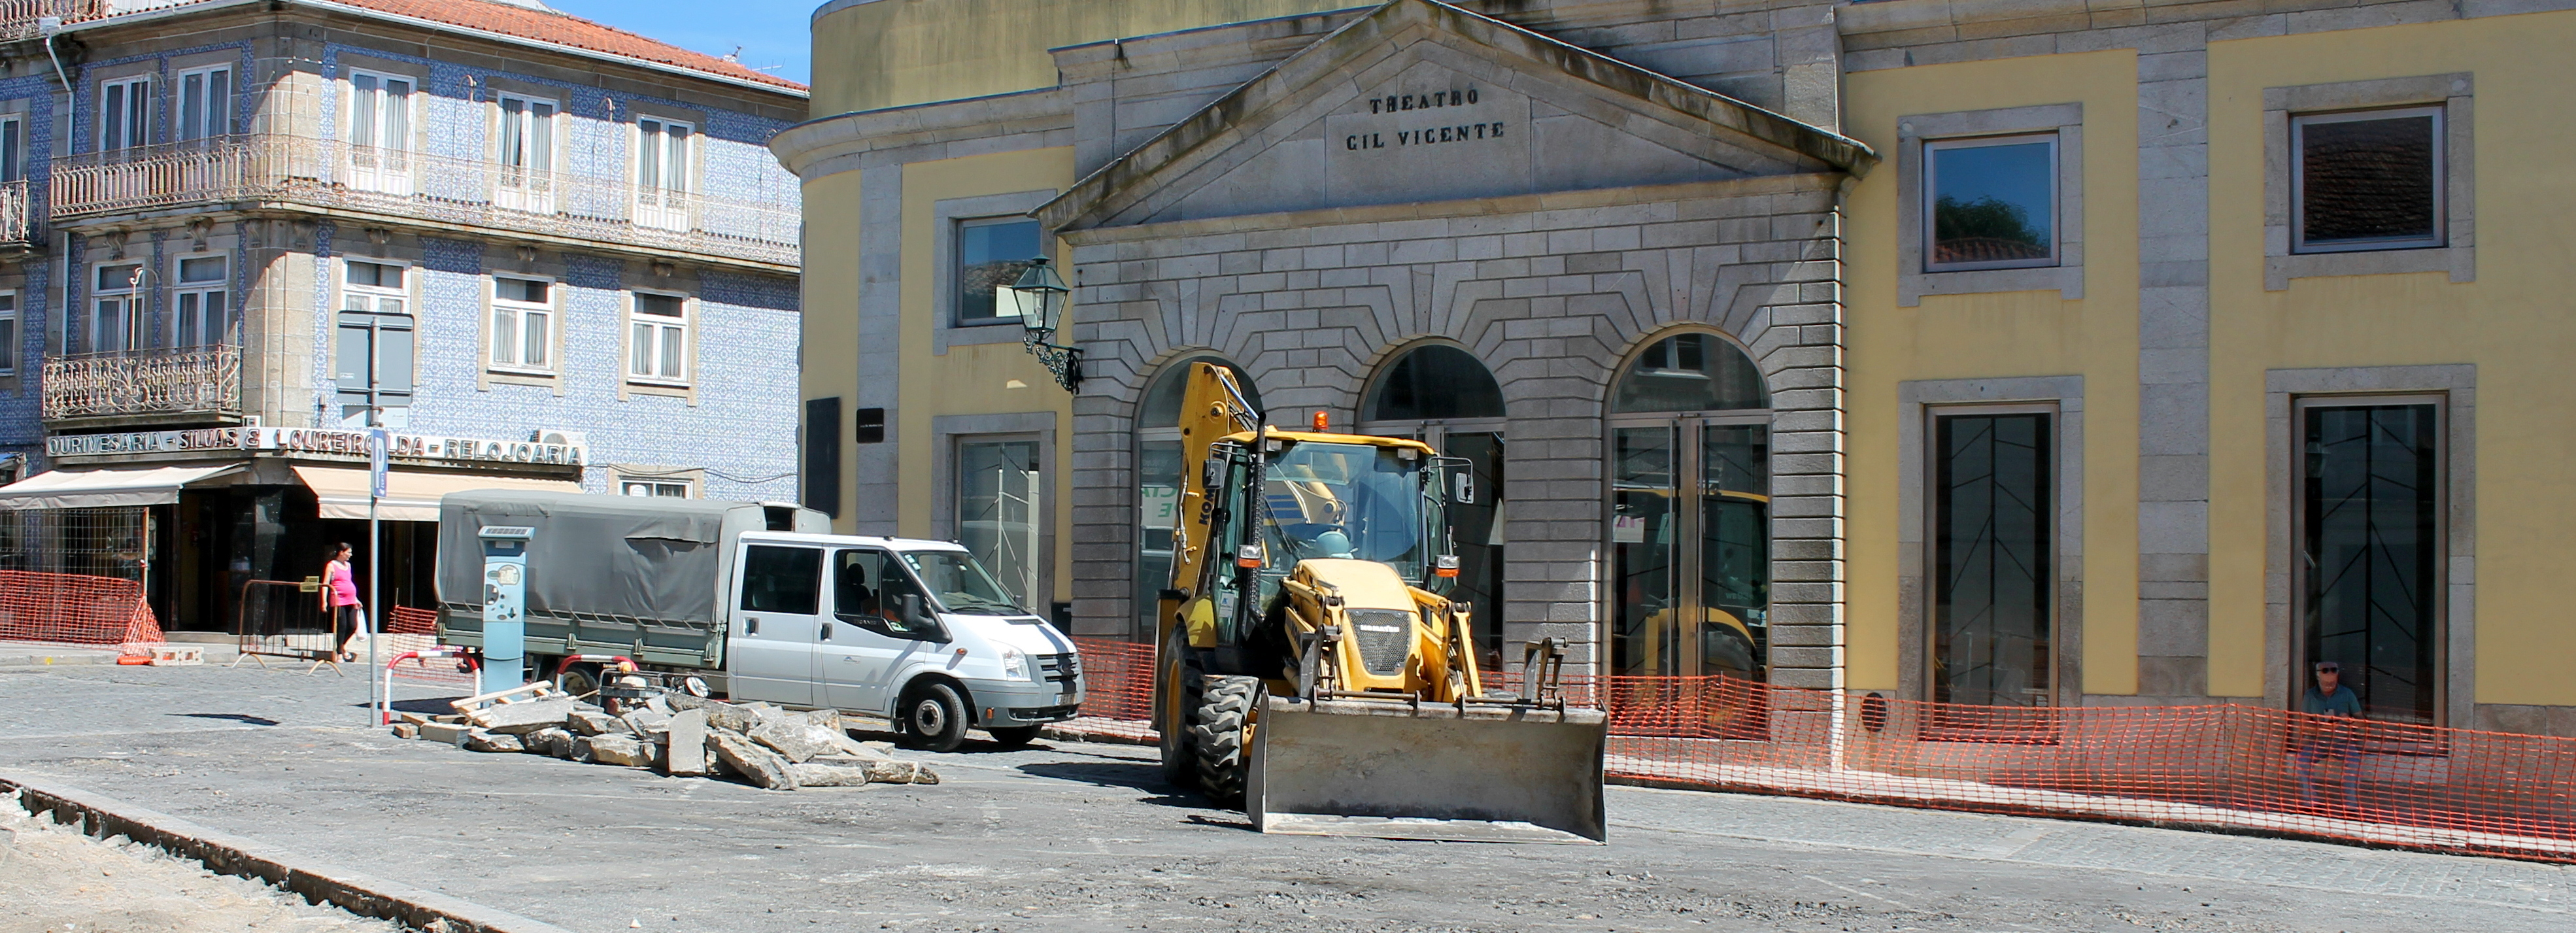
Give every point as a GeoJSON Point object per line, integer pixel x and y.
{"type": "Point", "coordinates": [340, 599]}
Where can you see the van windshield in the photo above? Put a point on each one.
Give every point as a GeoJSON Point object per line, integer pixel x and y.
{"type": "Point", "coordinates": [960, 584]}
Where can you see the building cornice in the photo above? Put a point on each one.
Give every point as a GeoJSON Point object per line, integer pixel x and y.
{"type": "Point", "coordinates": [1541, 202]}
{"type": "Point", "coordinates": [808, 146]}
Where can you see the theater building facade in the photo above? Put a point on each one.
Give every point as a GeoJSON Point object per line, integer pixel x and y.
{"type": "Point", "coordinates": [2026, 357]}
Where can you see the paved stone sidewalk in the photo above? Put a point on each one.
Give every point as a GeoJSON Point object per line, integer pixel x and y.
{"type": "Point", "coordinates": [1080, 837]}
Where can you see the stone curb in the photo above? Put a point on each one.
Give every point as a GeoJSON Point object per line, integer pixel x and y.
{"type": "Point", "coordinates": [366, 896]}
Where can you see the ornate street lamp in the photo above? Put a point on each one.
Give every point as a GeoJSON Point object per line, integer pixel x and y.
{"type": "Point", "coordinates": [1039, 296]}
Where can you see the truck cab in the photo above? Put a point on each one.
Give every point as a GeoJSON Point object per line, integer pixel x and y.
{"type": "Point", "coordinates": [914, 631]}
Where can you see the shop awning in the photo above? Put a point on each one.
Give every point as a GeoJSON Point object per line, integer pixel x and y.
{"type": "Point", "coordinates": [409, 497]}
{"type": "Point", "coordinates": [92, 489]}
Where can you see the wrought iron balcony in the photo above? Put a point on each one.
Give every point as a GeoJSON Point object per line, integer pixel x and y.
{"type": "Point", "coordinates": [16, 227]}
{"type": "Point", "coordinates": [168, 381]}
{"type": "Point", "coordinates": [18, 17]}
{"type": "Point", "coordinates": [296, 171]}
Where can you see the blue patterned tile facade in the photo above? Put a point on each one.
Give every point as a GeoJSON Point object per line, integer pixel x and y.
{"type": "Point", "coordinates": [740, 428]}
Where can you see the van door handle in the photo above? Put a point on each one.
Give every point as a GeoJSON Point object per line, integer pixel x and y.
{"type": "Point", "coordinates": [751, 626]}
{"type": "Point", "coordinates": [827, 632]}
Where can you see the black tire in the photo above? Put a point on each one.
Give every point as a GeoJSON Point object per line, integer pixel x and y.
{"type": "Point", "coordinates": [1219, 726]}
{"type": "Point", "coordinates": [579, 679]}
{"type": "Point", "coordinates": [1176, 694]}
{"type": "Point", "coordinates": [934, 717]}
{"type": "Point", "coordinates": [1012, 736]}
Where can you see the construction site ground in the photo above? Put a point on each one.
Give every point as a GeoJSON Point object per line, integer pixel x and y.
{"type": "Point", "coordinates": [1066, 836]}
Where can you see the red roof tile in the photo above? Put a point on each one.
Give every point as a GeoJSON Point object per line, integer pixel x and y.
{"type": "Point", "coordinates": [556, 29]}
{"type": "Point", "coordinates": [562, 29]}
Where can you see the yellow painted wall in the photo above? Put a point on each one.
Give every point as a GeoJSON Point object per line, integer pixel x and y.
{"type": "Point", "coordinates": [1997, 336]}
{"type": "Point", "coordinates": [2513, 322]}
{"type": "Point", "coordinates": [831, 316]}
{"type": "Point", "coordinates": [891, 53]}
{"type": "Point", "coordinates": [971, 380]}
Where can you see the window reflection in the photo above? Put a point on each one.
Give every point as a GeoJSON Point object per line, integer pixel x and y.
{"type": "Point", "coordinates": [1992, 203]}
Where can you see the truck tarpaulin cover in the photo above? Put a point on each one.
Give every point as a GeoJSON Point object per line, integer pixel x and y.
{"type": "Point", "coordinates": [645, 558]}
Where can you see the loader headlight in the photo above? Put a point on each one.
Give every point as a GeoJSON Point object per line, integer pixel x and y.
{"type": "Point", "coordinates": [1014, 664]}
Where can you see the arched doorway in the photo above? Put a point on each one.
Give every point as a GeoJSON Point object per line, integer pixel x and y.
{"type": "Point", "coordinates": [1690, 511]}
{"type": "Point", "coordinates": [1443, 396]}
{"type": "Point", "coordinates": [1158, 479]}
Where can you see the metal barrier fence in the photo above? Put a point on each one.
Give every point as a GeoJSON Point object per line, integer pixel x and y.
{"type": "Point", "coordinates": [2225, 767]}
{"type": "Point", "coordinates": [280, 618]}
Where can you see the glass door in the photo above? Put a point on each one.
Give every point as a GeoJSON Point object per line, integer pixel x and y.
{"type": "Point", "coordinates": [1690, 553]}
{"type": "Point", "coordinates": [1475, 525]}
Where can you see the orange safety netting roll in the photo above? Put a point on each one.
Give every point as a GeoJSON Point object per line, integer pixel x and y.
{"type": "Point", "coordinates": [75, 609]}
{"type": "Point", "coordinates": [2229, 767]}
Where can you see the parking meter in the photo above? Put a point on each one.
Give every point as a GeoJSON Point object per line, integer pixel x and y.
{"type": "Point", "coordinates": [505, 602]}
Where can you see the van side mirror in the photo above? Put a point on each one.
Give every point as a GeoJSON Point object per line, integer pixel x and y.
{"type": "Point", "coordinates": [918, 622]}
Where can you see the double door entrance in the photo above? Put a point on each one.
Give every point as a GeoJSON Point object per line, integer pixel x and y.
{"type": "Point", "coordinates": [1690, 545]}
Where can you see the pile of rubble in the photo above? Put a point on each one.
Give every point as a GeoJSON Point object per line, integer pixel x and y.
{"type": "Point", "coordinates": [681, 736]}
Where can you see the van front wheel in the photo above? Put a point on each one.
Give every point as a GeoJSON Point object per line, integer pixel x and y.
{"type": "Point", "coordinates": [934, 718]}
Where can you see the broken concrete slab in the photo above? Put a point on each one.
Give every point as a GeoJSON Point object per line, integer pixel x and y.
{"type": "Point", "coordinates": [522, 718]}
{"type": "Point", "coordinates": [552, 741]}
{"type": "Point", "coordinates": [882, 770]}
{"type": "Point", "coordinates": [405, 730]}
{"type": "Point", "coordinates": [481, 741]}
{"type": "Point", "coordinates": [826, 718]}
{"type": "Point", "coordinates": [624, 751]}
{"type": "Point", "coordinates": [760, 766]}
{"type": "Point", "coordinates": [797, 740]}
{"type": "Point", "coordinates": [645, 721]}
{"type": "Point", "coordinates": [687, 754]}
{"type": "Point", "coordinates": [738, 717]}
{"type": "Point", "coordinates": [447, 732]}
{"type": "Point", "coordinates": [816, 775]}
{"type": "Point", "coordinates": [591, 722]}
{"type": "Point", "coordinates": [681, 702]}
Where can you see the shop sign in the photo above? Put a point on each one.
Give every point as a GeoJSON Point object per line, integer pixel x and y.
{"type": "Point", "coordinates": [319, 443]}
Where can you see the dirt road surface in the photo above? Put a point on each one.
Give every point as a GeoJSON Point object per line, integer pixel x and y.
{"type": "Point", "coordinates": [55, 880]}
{"type": "Point", "coordinates": [1080, 837]}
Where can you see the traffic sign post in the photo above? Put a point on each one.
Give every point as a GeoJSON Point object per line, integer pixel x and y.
{"type": "Point", "coordinates": [379, 703]}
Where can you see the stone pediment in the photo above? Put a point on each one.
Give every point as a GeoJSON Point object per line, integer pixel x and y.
{"type": "Point", "coordinates": [1421, 101]}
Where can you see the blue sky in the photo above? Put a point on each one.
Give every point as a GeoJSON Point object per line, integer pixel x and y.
{"type": "Point", "coordinates": [770, 32]}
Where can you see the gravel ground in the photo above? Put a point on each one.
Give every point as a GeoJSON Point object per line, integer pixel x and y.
{"type": "Point", "coordinates": [1078, 837]}
{"type": "Point", "coordinates": [55, 880]}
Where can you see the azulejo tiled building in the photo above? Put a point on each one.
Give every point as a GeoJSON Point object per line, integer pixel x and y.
{"type": "Point", "coordinates": [538, 250]}
{"type": "Point", "coordinates": [2034, 353]}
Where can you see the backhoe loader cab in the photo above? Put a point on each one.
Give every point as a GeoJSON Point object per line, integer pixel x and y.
{"type": "Point", "coordinates": [1311, 665]}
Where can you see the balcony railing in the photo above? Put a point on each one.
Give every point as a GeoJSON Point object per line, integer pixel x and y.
{"type": "Point", "coordinates": [15, 230]}
{"type": "Point", "coordinates": [18, 17]}
{"type": "Point", "coordinates": [410, 185]}
{"type": "Point", "coordinates": [175, 381]}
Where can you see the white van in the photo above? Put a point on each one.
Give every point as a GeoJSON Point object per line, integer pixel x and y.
{"type": "Point", "coordinates": [913, 631]}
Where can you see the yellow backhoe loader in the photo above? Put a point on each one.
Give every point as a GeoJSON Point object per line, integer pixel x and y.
{"type": "Point", "coordinates": [1309, 666]}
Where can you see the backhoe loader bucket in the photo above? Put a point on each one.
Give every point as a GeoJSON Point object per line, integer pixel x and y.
{"type": "Point", "coordinates": [1394, 770]}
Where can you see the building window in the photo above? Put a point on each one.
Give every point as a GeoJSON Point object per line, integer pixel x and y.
{"type": "Point", "coordinates": [661, 488]}
{"type": "Point", "coordinates": [1445, 397]}
{"type": "Point", "coordinates": [990, 253]}
{"type": "Point", "coordinates": [658, 339]}
{"type": "Point", "coordinates": [113, 324]}
{"type": "Point", "coordinates": [998, 512]}
{"type": "Point", "coordinates": [8, 333]}
{"type": "Point", "coordinates": [375, 346]}
{"type": "Point", "coordinates": [1992, 543]}
{"type": "Point", "coordinates": [527, 153]}
{"type": "Point", "coordinates": [13, 148]}
{"type": "Point", "coordinates": [1690, 515]}
{"type": "Point", "coordinates": [662, 173]}
{"type": "Point", "coordinates": [124, 113]}
{"type": "Point", "coordinates": [2367, 180]}
{"type": "Point", "coordinates": [1990, 203]}
{"type": "Point", "coordinates": [2371, 543]}
{"type": "Point", "coordinates": [1158, 480]}
{"type": "Point", "coordinates": [203, 302]}
{"type": "Point", "coordinates": [380, 132]}
{"type": "Point", "coordinates": [205, 103]}
{"type": "Point", "coordinates": [523, 315]}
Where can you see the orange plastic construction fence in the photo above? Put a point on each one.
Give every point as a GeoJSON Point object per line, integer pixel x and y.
{"type": "Point", "coordinates": [75, 609]}
{"type": "Point", "coordinates": [2225, 767]}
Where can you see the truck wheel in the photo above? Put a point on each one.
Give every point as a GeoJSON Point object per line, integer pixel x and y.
{"type": "Point", "coordinates": [1218, 728]}
{"type": "Point", "coordinates": [1176, 694]}
{"type": "Point", "coordinates": [1013, 736]}
{"type": "Point", "coordinates": [579, 679]}
{"type": "Point", "coordinates": [934, 718]}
